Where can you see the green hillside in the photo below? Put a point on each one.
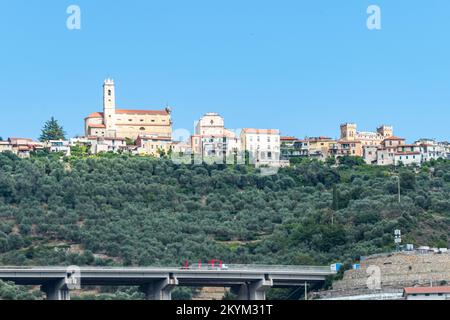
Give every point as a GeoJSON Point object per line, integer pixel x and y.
{"type": "Point", "coordinates": [121, 210]}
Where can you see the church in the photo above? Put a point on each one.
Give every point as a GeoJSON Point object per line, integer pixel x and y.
{"type": "Point", "coordinates": [126, 123]}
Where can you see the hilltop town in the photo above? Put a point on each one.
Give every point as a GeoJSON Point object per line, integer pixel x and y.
{"type": "Point", "coordinates": [150, 132]}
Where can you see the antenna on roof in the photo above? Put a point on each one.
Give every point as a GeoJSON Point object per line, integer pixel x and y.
{"type": "Point", "coordinates": [168, 108]}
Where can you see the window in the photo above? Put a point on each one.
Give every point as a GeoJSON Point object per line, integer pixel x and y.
{"type": "Point", "coordinates": [109, 93]}
{"type": "Point", "coordinates": [142, 129]}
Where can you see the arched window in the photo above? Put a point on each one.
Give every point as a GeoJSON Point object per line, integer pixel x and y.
{"type": "Point", "coordinates": [109, 92]}
{"type": "Point", "coordinates": [142, 129]}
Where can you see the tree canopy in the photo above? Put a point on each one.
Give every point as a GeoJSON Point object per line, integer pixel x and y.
{"type": "Point", "coordinates": [124, 210]}
{"type": "Point", "coordinates": [52, 131]}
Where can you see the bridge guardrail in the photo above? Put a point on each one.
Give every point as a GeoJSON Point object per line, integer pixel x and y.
{"type": "Point", "coordinates": [224, 267]}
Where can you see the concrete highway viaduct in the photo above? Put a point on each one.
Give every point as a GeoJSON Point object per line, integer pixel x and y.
{"type": "Point", "coordinates": [247, 282]}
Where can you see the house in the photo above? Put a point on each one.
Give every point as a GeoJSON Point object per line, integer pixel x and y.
{"type": "Point", "coordinates": [181, 147]}
{"type": "Point", "coordinates": [263, 146]}
{"type": "Point", "coordinates": [431, 150]}
{"type": "Point", "coordinates": [386, 152]}
{"type": "Point", "coordinates": [407, 155]}
{"type": "Point", "coordinates": [370, 154]}
{"type": "Point", "coordinates": [154, 145]}
{"type": "Point", "coordinates": [105, 144]}
{"type": "Point", "coordinates": [58, 146]}
{"type": "Point", "coordinates": [292, 148]}
{"type": "Point", "coordinates": [427, 293]}
{"type": "Point", "coordinates": [126, 123]}
{"type": "Point", "coordinates": [343, 148]}
{"type": "Point", "coordinates": [22, 147]}
{"type": "Point", "coordinates": [6, 146]}
{"type": "Point", "coordinates": [319, 147]}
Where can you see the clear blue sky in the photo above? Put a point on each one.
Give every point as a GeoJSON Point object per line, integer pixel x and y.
{"type": "Point", "coordinates": [301, 66]}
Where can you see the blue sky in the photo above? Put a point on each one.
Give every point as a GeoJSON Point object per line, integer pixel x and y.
{"type": "Point", "coordinates": [301, 66]}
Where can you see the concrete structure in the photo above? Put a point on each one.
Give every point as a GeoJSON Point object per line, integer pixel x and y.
{"type": "Point", "coordinates": [427, 293]}
{"type": "Point", "coordinates": [126, 123]}
{"type": "Point", "coordinates": [262, 145]}
{"type": "Point", "coordinates": [248, 282]}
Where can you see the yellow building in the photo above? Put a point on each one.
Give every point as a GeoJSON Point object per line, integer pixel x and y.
{"type": "Point", "coordinates": [155, 146]}
{"type": "Point", "coordinates": [349, 133]}
{"type": "Point", "coordinates": [320, 146]}
{"type": "Point", "coordinates": [126, 123]}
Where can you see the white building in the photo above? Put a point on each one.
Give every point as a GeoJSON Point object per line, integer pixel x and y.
{"type": "Point", "coordinates": [59, 146]}
{"type": "Point", "coordinates": [430, 149]}
{"type": "Point", "coordinates": [6, 146]}
{"type": "Point", "coordinates": [212, 141]}
{"type": "Point", "coordinates": [262, 145]}
{"type": "Point", "coordinates": [104, 144]}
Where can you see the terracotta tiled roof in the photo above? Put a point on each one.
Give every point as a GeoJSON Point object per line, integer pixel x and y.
{"type": "Point", "coordinates": [288, 138]}
{"type": "Point", "coordinates": [148, 112]}
{"type": "Point", "coordinates": [261, 131]}
{"type": "Point", "coordinates": [427, 290]}
{"type": "Point", "coordinates": [95, 115]}
{"type": "Point", "coordinates": [393, 138]}
{"type": "Point", "coordinates": [27, 139]}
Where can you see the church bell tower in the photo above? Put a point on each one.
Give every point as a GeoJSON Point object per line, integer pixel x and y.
{"type": "Point", "coordinates": [109, 107]}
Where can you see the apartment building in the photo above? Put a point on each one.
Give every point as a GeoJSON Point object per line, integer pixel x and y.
{"type": "Point", "coordinates": [262, 145]}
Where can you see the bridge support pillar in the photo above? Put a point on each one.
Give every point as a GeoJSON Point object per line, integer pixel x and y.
{"type": "Point", "coordinates": [253, 290]}
{"type": "Point", "coordinates": [56, 290]}
{"type": "Point", "coordinates": [159, 289]}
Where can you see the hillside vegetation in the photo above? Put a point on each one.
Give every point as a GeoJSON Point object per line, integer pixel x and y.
{"type": "Point", "coordinates": [122, 210]}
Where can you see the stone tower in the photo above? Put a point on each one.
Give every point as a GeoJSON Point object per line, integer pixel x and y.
{"type": "Point", "coordinates": [109, 106]}
{"type": "Point", "coordinates": [385, 131]}
{"type": "Point", "coordinates": [348, 131]}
